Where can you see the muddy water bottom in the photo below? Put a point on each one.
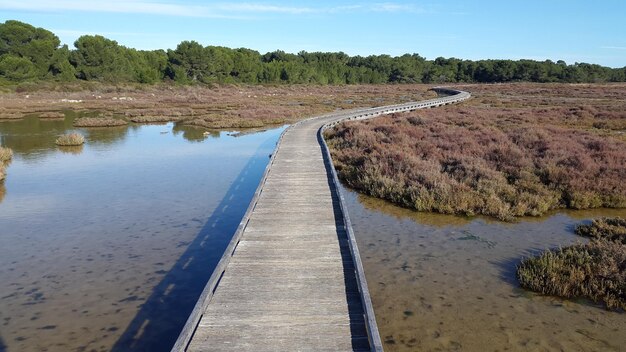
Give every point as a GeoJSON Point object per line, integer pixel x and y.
{"type": "Point", "coordinates": [445, 283]}
{"type": "Point", "coordinates": [108, 247]}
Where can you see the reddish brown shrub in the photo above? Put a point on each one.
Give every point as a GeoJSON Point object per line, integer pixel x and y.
{"type": "Point", "coordinates": [480, 158]}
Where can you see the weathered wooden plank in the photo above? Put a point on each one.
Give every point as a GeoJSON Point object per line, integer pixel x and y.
{"type": "Point", "coordinates": [303, 337]}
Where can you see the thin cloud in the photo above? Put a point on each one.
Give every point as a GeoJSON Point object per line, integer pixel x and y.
{"type": "Point", "coordinates": [393, 7]}
{"type": "Point", "coordinates": [78, 33]}
{"type": "Point", "coordinates": [115, 6]}
{"type": "Point", "coordinates": [613, 47]}
{"type": "Point", "coordinates": [229, 10]}
{"type": "Point", "coordinates": [346, 8]}
{"type": "Point", "coordinates": [259, 8]}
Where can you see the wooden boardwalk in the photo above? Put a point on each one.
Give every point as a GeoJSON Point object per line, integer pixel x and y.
{"type": "Point", "coordinates": [292, 279]}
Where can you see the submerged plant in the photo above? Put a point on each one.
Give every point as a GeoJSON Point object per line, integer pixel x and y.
{"type": "Point", "coordinates": [71, 139]}
{"type": "Point", "coordinates": [6, 154]}
{"type": "Point", "coordinates": [611, 229]}
{"type": "Point", "coordinates": [594, 270]}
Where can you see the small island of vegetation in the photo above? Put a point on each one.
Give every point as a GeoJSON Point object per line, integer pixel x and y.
{"type": "Point", "coordinates": [70, 140]}
{"type": "Point", "coordinates": [594, 270]}
{"type": "Point", "coordinates": [99, 122]}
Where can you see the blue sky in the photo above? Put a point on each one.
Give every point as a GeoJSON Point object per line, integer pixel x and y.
{"type": "Point", "coordinates": [573, 30]}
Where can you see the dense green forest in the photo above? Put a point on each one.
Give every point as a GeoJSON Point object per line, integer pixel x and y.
{"type": "Point", "coordinates": [34, 54]}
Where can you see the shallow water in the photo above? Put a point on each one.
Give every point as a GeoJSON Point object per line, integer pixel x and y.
{"type": "Point", "coordinates": [447, 283]}
{"type": "Point", "coordinates": [107, 246]}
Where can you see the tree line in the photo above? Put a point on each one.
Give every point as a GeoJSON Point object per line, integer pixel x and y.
{"type": "Point", "coordinates": [28, 53]}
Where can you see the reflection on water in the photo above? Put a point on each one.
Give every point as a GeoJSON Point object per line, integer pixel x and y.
{"type": "Point", "coordinates": [194, 134]}
{"type": "Point", "coordinates": [72, 149]}
{"type": "Point", "coordinates": [33, 138]}
{"type": "Point", "coordinates": [108, 248]}
{"type": "Point", "coordinates": [432, 219]}
{"type": "Point", "coordinates": [447, 283]}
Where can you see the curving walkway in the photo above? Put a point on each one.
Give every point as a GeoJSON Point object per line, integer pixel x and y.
{"type": "Point", "coordinates": [291, 278]}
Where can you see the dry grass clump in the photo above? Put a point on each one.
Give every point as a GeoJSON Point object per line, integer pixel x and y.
{"type": "Point", "coordinates": [52, 115]}
{"type": "Point", "coordinates": [99, 122]}
{"type": "Point", "coordinates": [71, 139]}
{"type": "Point", "coordinates": [6, 154]}
{"type": "Point", "coordinates": [475, 158]}
{"type": "Point", "coordinates": [595, 270]}
{"type": "Point", "coordinates": [156, 119]}
{"type": "Point", "coordinates": [610, 229]}
{"type": "Point", "coordinates": [11, 116]}
{"type": "Point", "coordinates": [233, 122]}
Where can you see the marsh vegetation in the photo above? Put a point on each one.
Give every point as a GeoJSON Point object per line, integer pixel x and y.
{"type": "Point", "coordinates": [52, 115]}
{"type": "Point", "coordinates": [99, 122]}
{"type": "Point", "coordinates": [6, 154]}
{"type": "Point", "coordinates": [610, 229]}
{"type": "Point", "coordinates": [512, 150]}
{"type": "Point", "coordinates": [208, 107]}
{"type": "Point", "coordinates": [594, 270]}
{"type": "Point", "coordinates": [70, 140]}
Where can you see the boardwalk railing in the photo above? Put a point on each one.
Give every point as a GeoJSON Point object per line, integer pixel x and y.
{"type": "Point", "coordinates": [370, 319]}
{"type": "Point", "coordinates": [186, 335]}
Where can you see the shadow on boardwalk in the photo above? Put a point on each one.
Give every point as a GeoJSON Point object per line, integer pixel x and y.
{"type": "Point", "coordinates": [358, 330]}
{"type": "Point", "coordinates": [156, 326]}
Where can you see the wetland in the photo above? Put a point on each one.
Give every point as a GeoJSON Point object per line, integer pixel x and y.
{"type": "Point", "coordinates": [447, 283]}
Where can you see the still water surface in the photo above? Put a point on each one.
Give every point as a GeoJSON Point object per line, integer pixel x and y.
{"type": "Point", "coordinates": [446, 283]}
{"type": "Point", "coordinates": [107, 246]}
